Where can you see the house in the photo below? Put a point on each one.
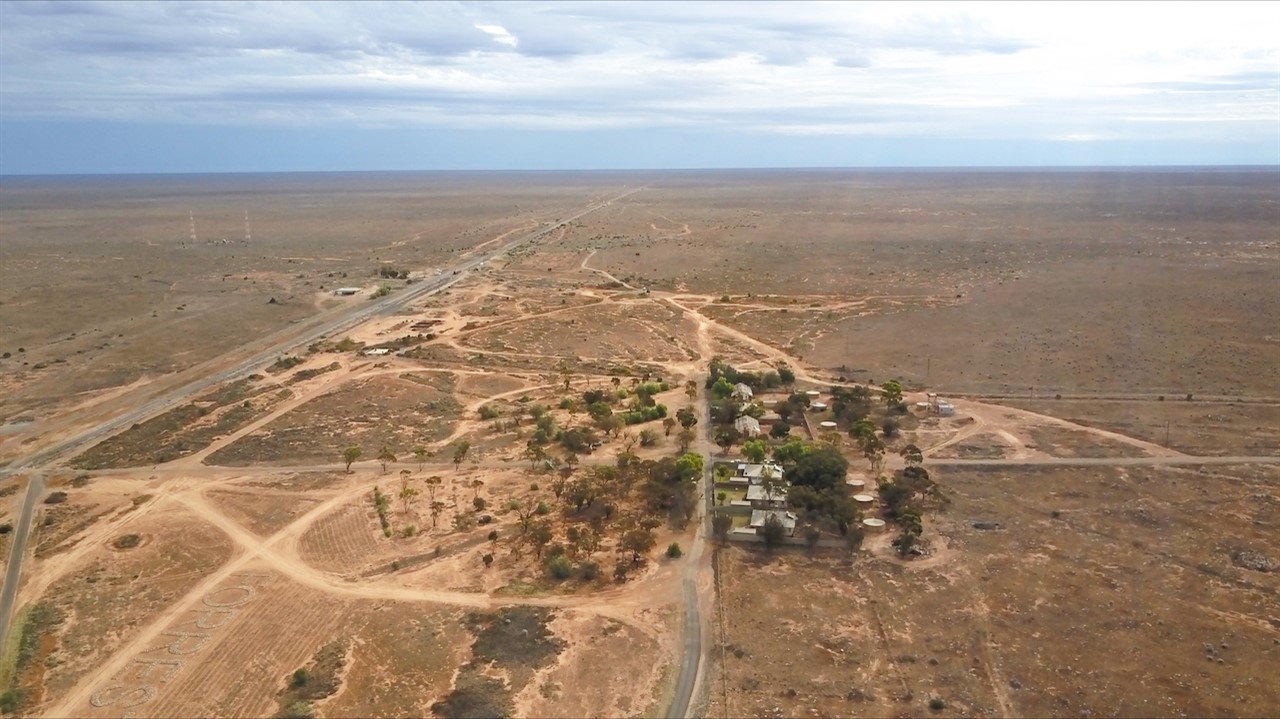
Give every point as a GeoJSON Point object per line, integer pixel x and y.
{"type": "Point", "coordinates": [756, 473]}
{"type": "Point", "coordinates": [760, 516]}
{"type": "Point", "coordinates": [763, 498]}
{"type": "Point", "coordinates": [742, 392]}
{"type": "Point", "coordinates": [346, 291]}
{"type": "Point", "coordinates": [747, 426]}
{"type": "Point", "coordinates": [946, 409]}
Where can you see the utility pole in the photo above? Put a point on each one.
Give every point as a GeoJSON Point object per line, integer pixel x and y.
{"type": "Point", "coordinates": [192, 216]}
{"type": "Point", "coordinates": [247, 236]}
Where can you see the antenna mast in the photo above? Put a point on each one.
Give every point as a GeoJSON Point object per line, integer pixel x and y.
{"type": "Point", "coordinates": [247, 236]}
{"type": "Point", "coordinates": [191, 215]}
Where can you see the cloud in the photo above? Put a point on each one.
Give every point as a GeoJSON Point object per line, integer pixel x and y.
{"type": "Point", "coordinates": [988, 71]}
{"type": "Point", "coordinates": [499, 34]}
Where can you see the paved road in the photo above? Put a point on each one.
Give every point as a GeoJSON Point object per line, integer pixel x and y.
{"type": "Point", "coordinates": [268, 349]}
{"type": "Point", "coordinates": [13, 571]}
{"type": "Point", "coordinates": [262, 353]}
{"type": "Point", "coordinates": [1099, 461]}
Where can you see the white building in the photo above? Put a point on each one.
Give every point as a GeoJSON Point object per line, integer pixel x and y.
{"type": "Point", "coordinates": [742, 392]}
{"type": "Point", "coordinates": [346, 291]}
{"type": "Point", "coordinates": [762, 498]}
{"type": "Point", "coordinates": [756, 473]}
{"type": "Point", "coordinates": [747, 426]}
{"type": "Point", "coordinates": [760, 516]}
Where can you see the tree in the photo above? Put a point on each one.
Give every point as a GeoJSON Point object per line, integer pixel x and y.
{"type": "Point", "coordinates": [566, 372]}
{"type": "Point", "coordinates": [386, 456]}
{"type": "Point", "coordinates": [786, 375]}
{"type": "Point", "coordinates": [892, 392]}
{"type": "Point", "coordinates": [773, 532]}
{"type": "Point", "coordinates": [687, 417]}
{"type": "Point", "coordinates": [873, 450]}
{"type": "Point", "coordinates": [779, 430]}
{"type": "Point", "coordinates": [863, 429]}
{"type": "Point", "coordinates": [433, 483]}
{"type": "Point", "coordinates": [754, 450]}
{"type": "Point", "coordinates": [581, 493]}
{"type": "Point", "coordinates": [685, 438]}
{"type": "Point", "coordinates": [460, 453]}
{"type": "Point", "coordinates": [811, 537]}
{"type": "Point", "coordinates": [637, 541]}
{"type": "Point", "coordinates": [407, 492]}
{"type": "Point", "coordinates": [720, 525]}
{"type": "Point", "coordinates": [691, 389]}
{"type": "Point", "coordinates": [436, 509]}
{"type": "Point", "coordinates": [534, 453]}
{"type": "Point", "coordinates": [722, 388]}
{"type": "Point", "coordinates": [823, 467]}
{"type": "Point", "coordinates": [912, 455]}
{"type": "Point", "coordinates": [689, 467]}
{"type": "Point", "coordinates": [420, 453]}
{"type": "Point", "coordinates": [668, 424]}
{"type": "Point", "coordinates": [350, 455]}
{"type": "Point", "coordinates": [487, 559]}
{"type": "Point", "coordinates": [539, 535]}
{"type": "Point", "coordinates": [674, 551]}
{"type": "Point", "coordinates": [726, 437]}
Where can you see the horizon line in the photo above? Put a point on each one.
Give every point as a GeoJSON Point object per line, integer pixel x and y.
{"type": "Point", "coordinates": [798, 168]}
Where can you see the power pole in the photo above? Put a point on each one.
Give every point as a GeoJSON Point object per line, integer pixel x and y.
{"type": "Point", "coordinates": [192, 216]}
{"type": "Point", "coordinates": [247, 236]}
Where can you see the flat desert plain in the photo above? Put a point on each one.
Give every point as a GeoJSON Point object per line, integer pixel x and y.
{"type": "Point", "coordinates": [486, 482]}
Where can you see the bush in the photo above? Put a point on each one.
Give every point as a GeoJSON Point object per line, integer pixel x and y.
{"type": "Point", "coordinates": [890, 428]}
{"type": "Point", "coordinates": [56, 498]}
{"type": "Point", "coordinates": [493, 536]}
{"type": "Point", "coordinates": [541, 509]}
{"type": "Point", "coordinates": [80, 480]}
{"type": "Point", "coordinates": [126, 541]}
{"type": "Point", "coordinates": [409, 531]}
{"type": "Point", "coordinates": [533, 487]}
{"type": "Point", "coordinates": [560, 568]}
{"type": "Point", "coordinates": [300, 677]}
{"type": "Point", "coordinates": [937, 704]}
{"type": "Point", "coordinates": [490, 412]}
{"type": "Point", "coordinates": [487, 559]}
{"type": "Point", "coordinates": [300, 710]}
{"type": "Point", "coordinates": [6, 528]}
{"type": "Point", "coordinates": [590, 570]}
{"type": "Point", "coordinates": [479, 504]}
{"type": "Point", "coordinates": [10, 701]}
{"type": "Point", "coordinates": [674, 551]}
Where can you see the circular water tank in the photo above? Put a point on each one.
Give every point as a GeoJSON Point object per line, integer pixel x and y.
{"type": "Point", "coordinates": [873, 525]}
{"type": "Point", "coordinates": [827, 425]}
{"type": "Point", "coordinates": [818, 406]}
{"type": "Point", "coordinates": [813, 393]}
{"type": "Point", "coordinates": [863, 498]}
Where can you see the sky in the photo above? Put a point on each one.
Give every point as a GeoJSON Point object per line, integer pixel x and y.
{"type": "Point", "coordinates": [158, 87]}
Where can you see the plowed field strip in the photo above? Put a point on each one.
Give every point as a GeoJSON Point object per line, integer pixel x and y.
{"type": "Point", "coordinates": [340, 542]}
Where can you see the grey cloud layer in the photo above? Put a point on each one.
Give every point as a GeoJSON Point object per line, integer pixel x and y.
{"type": "Point", "coordinates": [820, 68]}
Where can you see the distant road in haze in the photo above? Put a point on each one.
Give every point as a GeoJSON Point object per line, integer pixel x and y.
{"type": "Point", "coordinates": [274, 344]}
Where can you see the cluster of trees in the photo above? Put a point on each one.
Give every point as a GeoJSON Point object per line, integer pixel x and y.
{"type": "Point", "coordinates": [904, 499]}
{"type": "Point", "coordinates": [590, 504]}
{"type": "Point", "coordinates": [718, 370]}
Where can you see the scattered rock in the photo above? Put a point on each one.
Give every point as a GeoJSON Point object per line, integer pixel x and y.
{"type": "Point", "coordinates": [1015, 683]}
{"type": "Point", "coordinates": [1249, 559]}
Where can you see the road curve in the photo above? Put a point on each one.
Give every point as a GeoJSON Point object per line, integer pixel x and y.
{"type": "Point", "coordinates": [13, 570]}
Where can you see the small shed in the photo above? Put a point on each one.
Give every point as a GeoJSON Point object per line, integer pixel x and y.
{"type": "Point", "coordinates": [346, 291]}
{"type": "Point", "coordinates": [747, 426]}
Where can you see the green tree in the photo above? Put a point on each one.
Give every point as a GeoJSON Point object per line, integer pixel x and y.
{"type": "Point", "coordinates": [873, 450]}
{"type": "Point", "coordinates": [420, 454]}
{"type": "Point", "coordinates": [823, 467]}
{"type": "Point", "coordinates": [689, 467]}
{"type": "Point", "coordinates": [862, 429]}
{"type": "Point", "coordinates": [721, 524]}
{"type": "Point", "coordinates": [637, 541]}
{"type": "Point", "coordinates": [432, 483]}
{"type": "Point", "coordinates": [722, 388]}
{"type": "Point", "coordinates": [754, 450]}
{"type": "Point", "coordinates": [687, 417]}
{"type": "Point", "coordinates": [386, 456]}
{"type": "Point", "coordinates": [912, 455]}
{"type": "Point", "coordinates": [350, 455]}
{"type": "Point", "coordinates": [436, 509]}
{"type": "Point", "coordinates": [773, 532]}
{"type": "Point", "coordinates": [460, 453]}
{"type": "Point", "coordinates": [539, 535]}
{"type": "Point", "coordinates": [674, 551]}
{"type": "Point", "coordinates": [786, 375]}
{"type": "Point", "coordinates": [892, 392]}
{"type": "Point", "coordinates": [726, 437]}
